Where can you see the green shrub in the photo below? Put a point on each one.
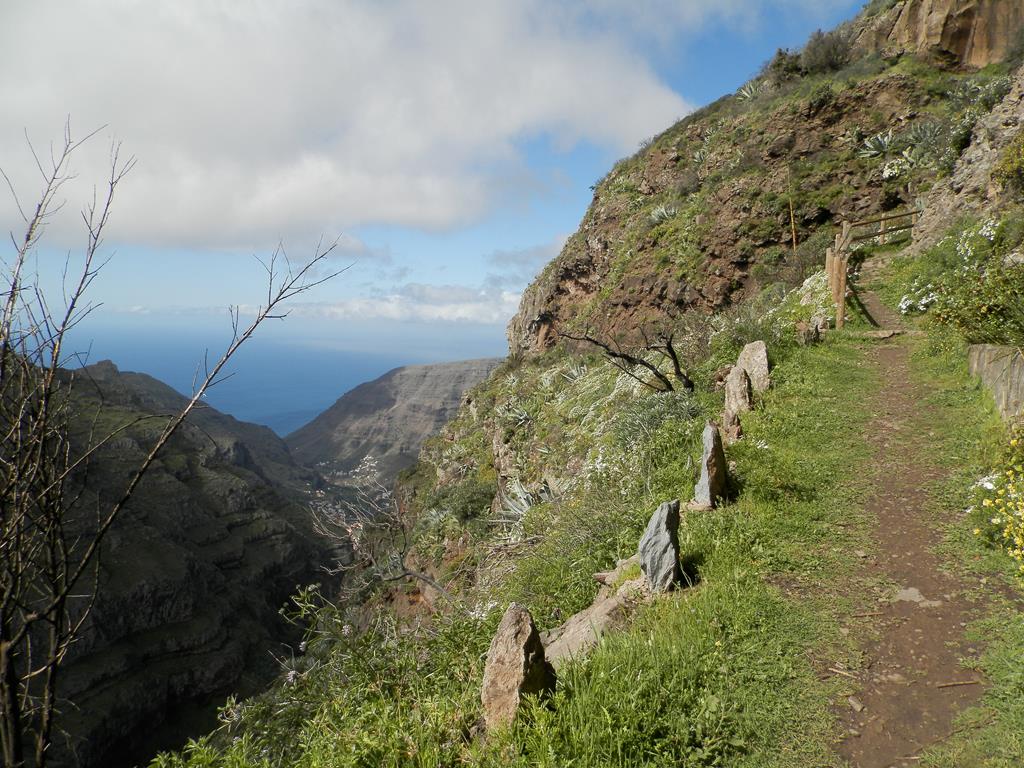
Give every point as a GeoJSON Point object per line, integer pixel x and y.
{"type": "Point", "coordinates": [973, 282]}
{"type": "Point", "coordinates": [783, 66]}
{"type": "Point", "coordinates": [825, 52]}
{"type": "Point", "coordinates": [465, 501]}
{"type": "Point", "coordinates": [1010, 170]}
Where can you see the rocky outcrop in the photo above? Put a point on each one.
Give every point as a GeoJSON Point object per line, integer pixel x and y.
{"type": "Point", "coordinates": [387, 418]}
{"type": "Point", "coordinates": [972, 33]}
{"type": "Point", "coordinates": [516, 667]}
{"type": "Point", "coordinates": [712, 485]}
{"type": "Point", "coordinates": [210, 547]}
{"type": "Point", "coordinates": [971, 188]}
{"type": "Point", "coordinates": [659, 548]}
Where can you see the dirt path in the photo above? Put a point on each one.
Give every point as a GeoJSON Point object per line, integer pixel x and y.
{"type": "Point", "coordinates": [913, 640]}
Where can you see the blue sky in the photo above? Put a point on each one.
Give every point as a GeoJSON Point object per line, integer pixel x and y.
{"type": "Point", "coordinates": [450, 145]}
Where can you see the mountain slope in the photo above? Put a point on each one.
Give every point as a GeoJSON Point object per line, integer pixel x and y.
{"type": "Point", "coordinates": [193, 573]}
{"type": "Point", "coordinates": [705, 214]}
{"type": "Point", "coordinates": [387, 418]}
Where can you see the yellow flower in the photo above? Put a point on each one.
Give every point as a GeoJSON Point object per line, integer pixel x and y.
{"type": "Point", "coordinates": [977, 531]}
{"type": "Point", "coordinates": [987, 503]}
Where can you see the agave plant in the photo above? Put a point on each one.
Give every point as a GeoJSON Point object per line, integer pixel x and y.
{"type": "Point", "coordinates": [663, 213]}
{"type": "Point", "coordinates": [752, 90]}
{"type": "Point", "coordinates": [927, 135]}
{"type": "Point", "coordinates": [879, 145]}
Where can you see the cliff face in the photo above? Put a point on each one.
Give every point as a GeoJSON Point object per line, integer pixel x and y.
{"type": "Point", "coordinates": [970, 189]}
{"type": "Point", "coordinates": [193, 573]}
{"type": "Point", "coordinates": [972, 33]}
{"type": "Point", "coordinates": [388, 418]}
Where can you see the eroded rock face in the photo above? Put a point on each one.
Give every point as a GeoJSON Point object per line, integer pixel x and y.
{"type": "Point", "coordinates": [516, 667]}
{"type": "Point", "coordinates": [387, 418]}
{"type": "Point", "coordinates": [193, 573]}
{"type": "Point", "coordinates": [659, 548]}
{"type": "Point", "coordinates": [754, 360]}
{"type": "Point", "coordinates": [713, 481]}
{"type": "Point", "coordinates": [973, 33]}
{"type": "Point", "coordinates": [971, 188]}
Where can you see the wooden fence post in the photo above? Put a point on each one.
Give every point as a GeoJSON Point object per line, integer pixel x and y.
{"type": "Point", "coordinates": [842, 261]}
{"type": "Point", "coordinates": [830, 256]}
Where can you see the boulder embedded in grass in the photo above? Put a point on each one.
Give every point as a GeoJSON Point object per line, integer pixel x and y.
{"type": "Point", "coordinates": [516, 667]}
{"type": "Point", "coordinates": [713, 481]}
{"type": "Point", "coordinates": [754, 360]}
{"type": "Point", "coordinates": [659, 548]}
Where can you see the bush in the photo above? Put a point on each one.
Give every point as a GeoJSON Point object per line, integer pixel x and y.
{"type": "Point", "coordinates": [783, 66]}
{"type": "Point", "coordinates": [1010, 170]}
{"type": "Point", "coordinates": [825, 52]}
{"type": "Point", "coordinates": [468, 500]}
{"type": "Point", "coordinates": [1001, 511]}
{"type": "Point", "coordinates": [973, 282]}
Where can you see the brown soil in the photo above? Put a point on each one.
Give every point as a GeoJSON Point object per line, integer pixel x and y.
{"type": "Point", "coordinates": [911, 682]}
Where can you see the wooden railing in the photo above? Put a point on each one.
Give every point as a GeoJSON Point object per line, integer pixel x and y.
{"type": "Point", "coordinates": [837, 258]}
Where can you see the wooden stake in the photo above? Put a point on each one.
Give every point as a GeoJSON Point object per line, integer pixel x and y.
{"type": "Point", "coordinates": [841, 294]}
{"type": "Point", "coordinates": [830, 257]}
{"type": "Point", "coordinates": [953, 685]}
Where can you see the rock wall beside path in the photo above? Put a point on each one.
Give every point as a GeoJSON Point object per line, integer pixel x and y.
{"type": "Point", "coordinates": [1001, 370]}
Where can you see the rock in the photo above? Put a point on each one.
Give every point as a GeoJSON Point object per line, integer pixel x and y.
{"type": "Point", "coordinates": [584, 630]}
{"type": "Point", "coordinates": [617, 575]}
{"type": "Point", "coordinates": [807, 334]}
{"type": "Point", "coordinates": [713, 475]}
{"type": "Point", "coordinates": [516, 667]}
{"type": "Point", "coordinates": [659, 548]}
{"type": "Point", "coordinates": [731, 427]}
{"type": "Point", "coordinates": [738, 395]}
{"type": "Point", "coordinates": [720, 376]}
{"type": "Point", "coordinates": [754, 360]}
{"type": "Point", "coordinates": [975, 33]}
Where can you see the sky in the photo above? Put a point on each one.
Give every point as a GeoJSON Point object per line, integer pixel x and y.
{"type": "Point", "coordinates": [449, 147]}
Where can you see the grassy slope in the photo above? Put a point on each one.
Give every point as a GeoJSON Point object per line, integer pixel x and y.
{"type": "Point", "coordinates": [721, 674]}
{"type": "Point", "coordinates": [728, 673]}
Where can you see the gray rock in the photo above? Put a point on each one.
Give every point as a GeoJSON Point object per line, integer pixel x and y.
{"type": "Point", "coordinates": [711, 486]}
{"type": "Point", "coordinates": [659, 548]}
{"type": "Point", "coordinates": [738, 396]}
{"type": "Point", "coordinates": [516, 667]}
{"type": "Point", "coordinates": [754, 360]}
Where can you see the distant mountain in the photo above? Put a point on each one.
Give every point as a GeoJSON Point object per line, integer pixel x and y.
{"type": "Point", "coordinates": [212, 544]}
{"type": "Point", "coordinates": [388, 418]}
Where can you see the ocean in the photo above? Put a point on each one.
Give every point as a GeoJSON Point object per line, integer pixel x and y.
{"type": "Point", "coordinates": [279, 383]}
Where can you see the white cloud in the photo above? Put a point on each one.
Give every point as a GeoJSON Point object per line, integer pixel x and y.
{"type": "Point", "coordinates": [422, 303]}
{"type": "Point", "coordinates": [255, 120]}
{"type": "Point", "coordinates": [260, 119]}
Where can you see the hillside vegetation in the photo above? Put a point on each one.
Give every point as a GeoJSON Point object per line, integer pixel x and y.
{"type": "Point", "coordinates": [552, 467]}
